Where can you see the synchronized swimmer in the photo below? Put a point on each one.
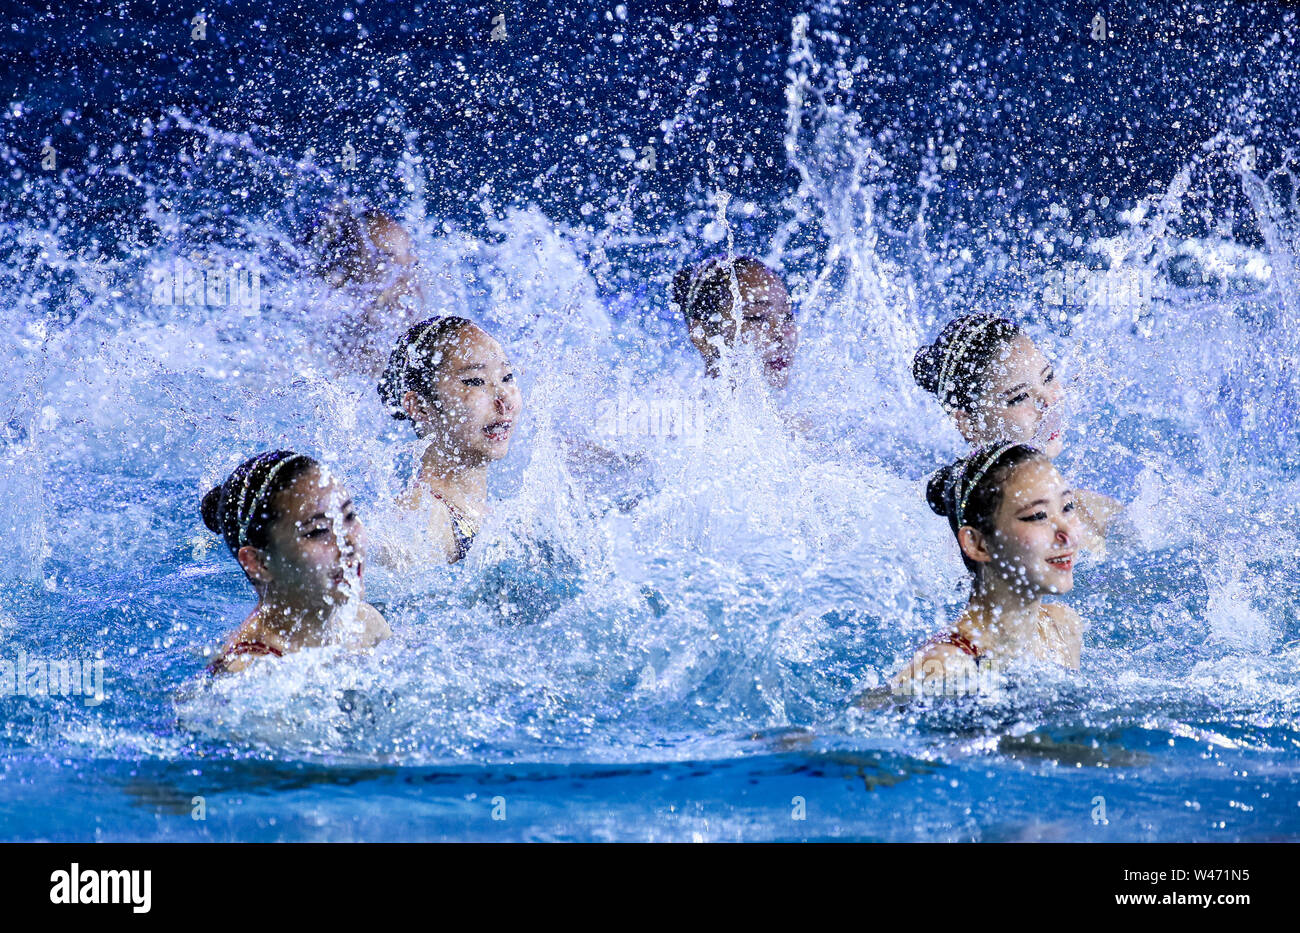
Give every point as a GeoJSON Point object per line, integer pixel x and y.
{"type": "Point", "coordinates": [370, 258]}
{"type": "Point", "coordinates": [294, 531]}
{"type": "Point", "coordinates": [738, 302]}
{"type": "Point", "coordinates": [1015, 520]}
{"type": "Point", "coordinates": [996, 385]}
{"type": "Point", "coordinates": [1018, 525]}
{"type": "Point", "coordinates": [455, 385]}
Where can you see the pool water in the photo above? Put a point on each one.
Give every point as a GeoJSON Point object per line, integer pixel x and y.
{"type": "Point", "coordinates": [660, 643]}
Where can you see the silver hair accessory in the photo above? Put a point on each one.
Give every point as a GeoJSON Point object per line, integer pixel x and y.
{"type": "Point", "coordinates": [261, 491]}
{"type": "Point", "coordinates": [702, 274]}
{"type": "Point", "coordinates": [411, 357]}
{"type": "Point", "coordinates": [698, 278]}
{"type": "Point", "coordinates": [987, 465]}
{"type": "Point", "coordinates": [956, 348]}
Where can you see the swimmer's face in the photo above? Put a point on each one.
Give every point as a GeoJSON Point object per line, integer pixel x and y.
{"type": "Point", "coordinates": [1020, 401]}
{"type": "Point", "coordinates": [392, 262]}
{"type": "Point", "coordinates": [478, 400]}
{"type": "Point", "coordinates": [378, 252]}
{"type": "Point", "coordinates": [315, 555]}
{"type": "Point", "coordinates": [394, 253]}
{"type": "Point", "coordinates": [766, 325]}
{"type": "Point", "coordinates": [1036, 532]}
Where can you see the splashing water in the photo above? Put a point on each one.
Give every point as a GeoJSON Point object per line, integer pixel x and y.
{"type": "Point", "coordinates": [660, 639]}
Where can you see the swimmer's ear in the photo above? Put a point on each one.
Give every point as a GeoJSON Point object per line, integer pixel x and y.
{"type": "Point", "coordinates": [253, 560]}
{"type": "Point", "coordinates": [414, 405]}
{"type": "Point", "coordinates": [973, 545]}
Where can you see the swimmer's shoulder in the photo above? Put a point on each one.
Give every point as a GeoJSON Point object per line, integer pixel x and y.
{"type": "Point", "coordinates": [231, 658]}
{"type": "Point", "coordinates": [435, 518]}
{"type": "Point", "coordinates": [236, 655]}
{"type": "Point", "coordinates": [228, 663]}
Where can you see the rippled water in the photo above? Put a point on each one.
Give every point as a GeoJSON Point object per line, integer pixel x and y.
{"type": "Point", "coordinates": [663, 649]}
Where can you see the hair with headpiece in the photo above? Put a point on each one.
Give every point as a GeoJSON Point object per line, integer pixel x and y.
{"type": "Point", "coordinates": [414, 362]}
{"type": "Point", "coordinates": [951, 368]}
{"type": "Point", "coordinates": [969, 491]}
{"type": "Point", "coordinates": [704, 289]}
{"type": "Point", "coordinates": [242, 508]}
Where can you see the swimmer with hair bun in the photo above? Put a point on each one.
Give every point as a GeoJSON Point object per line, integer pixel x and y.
{"type": "Point", "coordinates": [368, 254]}
{"type": "Point", "coordinates": [738, 302]}
{"type": "Point", "coordinates": [996, 385]}
{"type": "Point", "coordinates": [454, 384]}
{"type": "Point", "coordinates": [293, 530]}
{"type": "Point", "coordinates": [1016, 522]}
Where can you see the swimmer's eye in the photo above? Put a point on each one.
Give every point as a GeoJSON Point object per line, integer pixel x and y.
{"type": "Point", "coordinates": [350, 517]}
{"type": "Point", "coordinates": [317, 533]}
{"type": "Point", "coordinates": [472, 381]}
{"type": "Point", "coordinates": [1018, 399]}
{"type": "Point", "coordinates": [1050, 376]}
{"type": "Point", "coordinates": [755, 318]}
{"type": "Point", "coordinates": [1068, 507]}
{"type": "Point", "coordinates": [1036, 517]}
{"type": "Point", "coordinates": [509, 377]}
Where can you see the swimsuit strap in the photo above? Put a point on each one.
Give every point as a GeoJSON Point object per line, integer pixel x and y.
{"type": "Point", "coordinates": [462, 528]}
{"type": "Point", "coordinates": [960, 642]}
{"type": "Point", "coordinates": [254, 647]}
{"type": "Point", "coordinates": [243, 647]}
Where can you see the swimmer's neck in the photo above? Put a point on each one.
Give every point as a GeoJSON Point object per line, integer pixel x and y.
{"type": "Point", "coordinates": [713, 370]}
{"type": "Point", "coordinates": [452, 479]}
{"type": "Point", "coordinates": [292, 626]}
{"type": "Point", "coordinates": [1001, 617]}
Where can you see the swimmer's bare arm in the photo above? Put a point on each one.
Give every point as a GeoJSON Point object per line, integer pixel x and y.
{"type": "Point", "coordinates": [934, 663]}
{"type": "Point", "coordinates": [1096, 511]}
{"type": "Point", "coordinates": [936, 669]}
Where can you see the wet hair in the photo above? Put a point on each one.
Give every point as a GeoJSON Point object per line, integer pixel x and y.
{"type": "Point", "coordinates": [951, 367]}
{"type": "Point", "coordinates": [344, 231]}
{"type": "Point", "coordinates": [704, 289]}
{"type": "Point", "coordinates": [969, 491]}
{"type": "Point", "coordinates": [242, 509]}
{"type": "Point", "coordinates": [413, 364]}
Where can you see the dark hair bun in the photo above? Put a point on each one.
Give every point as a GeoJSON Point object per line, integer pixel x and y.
{"type": "Point", "coordinates": [926, 366]}
{"type": "Point", "coordinates": [938, 491]}
{"type": "Point", "coordinates": [211, 509]}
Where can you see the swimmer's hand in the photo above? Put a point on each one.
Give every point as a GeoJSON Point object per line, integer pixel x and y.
{"type": "Point", "coordinates": [376, 626]}
{"type": "Point", "coordinates": [1096, 512]}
